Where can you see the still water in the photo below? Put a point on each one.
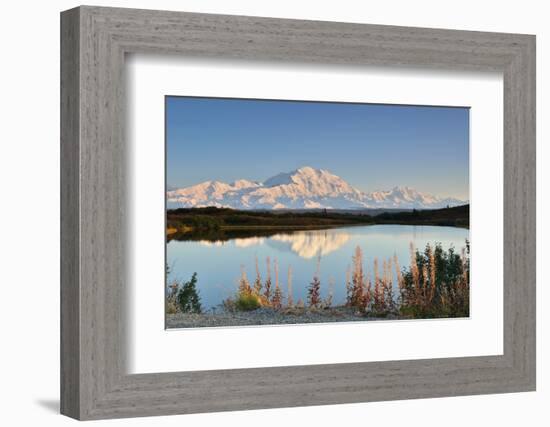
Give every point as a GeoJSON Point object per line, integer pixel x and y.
{"type": "Point", "coordinates": [218, 263]}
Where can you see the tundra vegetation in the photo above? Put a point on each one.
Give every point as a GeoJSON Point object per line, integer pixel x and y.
{"type": "Point", "coordinates": [434, 284]}
{"type": "Point", "coordinates": [222, 224]}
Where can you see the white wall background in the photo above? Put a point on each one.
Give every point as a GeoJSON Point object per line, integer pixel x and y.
{"type": "Point", "coordinates": [29, 213]}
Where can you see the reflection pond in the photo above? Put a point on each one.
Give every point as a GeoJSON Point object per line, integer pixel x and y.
{"type": "Point", "coordinates": [218, 263]}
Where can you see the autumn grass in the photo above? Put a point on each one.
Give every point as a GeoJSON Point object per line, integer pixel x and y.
{"type": "Point", "coordinates": [434, 284]}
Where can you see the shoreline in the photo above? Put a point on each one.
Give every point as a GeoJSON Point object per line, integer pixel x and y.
{"type": "Point", "coordinates": [209, 221]}
{"type": "Point", "coordinates": [268, 316]}
{"type": "Point", "coordinates": [171, 231]}
{"type": "Point", "coordinates": [262, 317]}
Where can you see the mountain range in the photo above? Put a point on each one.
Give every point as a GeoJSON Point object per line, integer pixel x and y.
{"type": "Point", "coordinates": [303, 188]}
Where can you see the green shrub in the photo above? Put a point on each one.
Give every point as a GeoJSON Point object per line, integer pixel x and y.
{"type": "Point", "coordinates": [188, 297]}
{"type": "Point", "coordinates": [436, 284]}
{"type": "Point", "coordinates": [247, 302]}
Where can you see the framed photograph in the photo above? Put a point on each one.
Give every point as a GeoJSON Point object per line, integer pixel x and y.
{"type": "Point", "coordinates": [262, 213]}
{"type": "Point", "coordinates": [304, 245]}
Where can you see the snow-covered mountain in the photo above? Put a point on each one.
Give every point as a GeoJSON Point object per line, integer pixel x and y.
{"type": "Point", "coordinates": [304, 188]}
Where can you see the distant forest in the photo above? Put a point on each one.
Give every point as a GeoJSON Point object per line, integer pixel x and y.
{"type": "Point", "coordinates": [190, 223]}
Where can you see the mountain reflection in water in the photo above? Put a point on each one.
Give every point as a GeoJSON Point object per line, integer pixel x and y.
{"type": "Point", "coordinates": [218, 259]}
{"type": "Point", "coordinates": [306, 244]}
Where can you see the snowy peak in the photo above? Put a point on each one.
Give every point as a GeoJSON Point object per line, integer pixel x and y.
{"type": "Point", "coordinates": [279, 179]}
{"type": "Point", "coordinates": [303, 188]}
{"type": "Point", "coordinates": [309, 181]}
{"type": "Point", "coordinates": [407, 197]}
{"type": "Point", "coordinates": [243, 183]}
{"type": "Point", "coordinates": [305, 173]}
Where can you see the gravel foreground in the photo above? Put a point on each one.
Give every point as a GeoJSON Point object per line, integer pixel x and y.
{"type": "Point", "coordinates": [264, 316]}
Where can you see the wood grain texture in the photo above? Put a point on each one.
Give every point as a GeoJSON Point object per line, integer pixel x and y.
{"type": "Point", "coordinates": [70, 292]}
{"type": "Point", "coordinates": [94, 267]}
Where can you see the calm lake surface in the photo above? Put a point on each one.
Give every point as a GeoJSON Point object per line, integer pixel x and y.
{"type": "Point", "coordinates": [218, 263]}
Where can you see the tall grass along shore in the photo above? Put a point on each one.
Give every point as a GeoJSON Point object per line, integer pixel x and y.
{"type": "Point", "coordinates": [434, 283]}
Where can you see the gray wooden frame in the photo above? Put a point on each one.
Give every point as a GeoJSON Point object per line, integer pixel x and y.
{"type": "Point", "coordinates": [94, 41]}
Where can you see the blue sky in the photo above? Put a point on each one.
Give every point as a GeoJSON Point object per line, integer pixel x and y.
{"type": "Point", "coordinates": [372, 146]}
